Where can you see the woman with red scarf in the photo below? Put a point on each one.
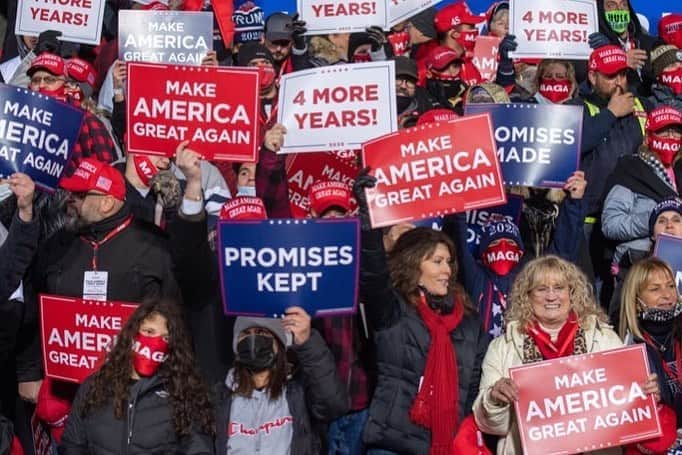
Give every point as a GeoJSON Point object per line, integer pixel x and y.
{"type": "Point", "coordinates": [429, 341]}
{"type": "Point", "coordinates": [553, 314]}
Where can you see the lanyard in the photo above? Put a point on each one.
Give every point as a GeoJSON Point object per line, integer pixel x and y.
{"type": "Point", "coordinates": [678, 357]}
{"type": "Point", "coordinates": [95, 245]}
{"type": "Point", "coordinates": [265, 121]}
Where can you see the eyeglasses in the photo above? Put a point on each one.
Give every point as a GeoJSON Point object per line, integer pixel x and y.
{"type": "Point", "coordinates": [49, 80]}
{"type": "Point", "coordinates": [546, 290]}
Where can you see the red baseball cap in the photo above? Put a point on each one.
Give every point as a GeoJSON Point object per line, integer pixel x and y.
{"type": "Point", "coordinates": [95, 175]}
{"type": "Point", "coordinates": [663, 116]}
{"type": "Point", "coordinates": [326, 194]}
{"type": "Point", "coordinates": [244, 208]}
{"type": "Point", "coordinates": [51, 63]}
{"type": "Point", "coordinates": [608, 60]}
{"type": "Point", "coordinates": [670, 29]}
{"type": "Point", "coordinates": [440, 57]}
{"type": "Point", "coordinates": [436, 115]}
{"type": "Point", "coordinates": [81, 71]}
{"type": "Point", "coordinates": [453, 15]}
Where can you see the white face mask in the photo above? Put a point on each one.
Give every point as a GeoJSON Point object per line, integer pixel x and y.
{"type": "Point", "coordinates": [246, 190]}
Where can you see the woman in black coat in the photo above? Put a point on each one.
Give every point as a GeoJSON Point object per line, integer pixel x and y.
{"type": "Point", "coordinates": [148, 397]}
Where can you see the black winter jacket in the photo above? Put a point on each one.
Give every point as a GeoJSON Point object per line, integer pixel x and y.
{"type": "Point", "coordinates": [402, 343]}
{"type": "Point", "coordinates": [16, 253]}
{"type": "Point", "coordinates": [146, 429]}
{"type": "Point", "coordinates": [314, 395]}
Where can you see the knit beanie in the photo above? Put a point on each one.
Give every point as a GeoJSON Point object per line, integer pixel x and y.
{"type": "Point", "coordinates": [663, 56]}
{"type": "Point", "coordinates": [499, 228]}
{"type": "Point", "coordinates": [671, 204]}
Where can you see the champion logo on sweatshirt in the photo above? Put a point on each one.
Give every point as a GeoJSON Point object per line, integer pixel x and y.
{"type": "Point", "coordinates": [237, 428]}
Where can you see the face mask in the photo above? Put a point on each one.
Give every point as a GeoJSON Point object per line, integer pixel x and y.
{"type": "Point", "coordinates": [144, 168]}
{"type": "Point", "coordinates": [75, 93]}
{"type": "Point", "coordinates": [400, 42]}
{"type": "Point", "coordinates": [59, 93]}
{"type": "Point", "coordinates": [618, 20]}
{"type": "Point", "coordinates": [256, 352]}
{"type": "Point", "coordinates": [404, 102]}
{"type": "Point", "coordinates": [502, 257]}
{"type": "Point", "coordinates": [362, 57]}
{"type": "Point", "coordinates": [448, 92]}
{"type": "Point", "coordinates": [468, 39]}
{"type": "Point", "coordinates": [246, 190]}
{"type": "Point", "coordinates": [659, 315]}
{"type": "Point", "coordinates": [148, 354]}
{"type": "Point", "coordinates": [673, 79]}
{"type": "Point", "coordinates": [555, 90]}
{"type": "Point", "coordinates": [267, 77]}
{"type": "Point", "coordinates": [665, 148]}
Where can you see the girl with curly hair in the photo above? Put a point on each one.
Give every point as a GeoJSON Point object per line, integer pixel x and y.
{"type": "Point", "coordinates": [553, 314]}
{"type": "Point", "coordinates": [147, 398]}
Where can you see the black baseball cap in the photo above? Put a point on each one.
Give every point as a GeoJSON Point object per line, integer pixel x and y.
{"type": "Point", "coordinates": [405, 67]}
{"type": "Point", "coordinates": [278, 27]}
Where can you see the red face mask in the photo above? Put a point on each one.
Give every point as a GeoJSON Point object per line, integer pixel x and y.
{"type": "Point", "coordinates": [148, 354]}
{"type": "Point", "coordinates": [665, 148]}
{"type": "Point", "coordinates": [400, 42]}
{"type": "Point", "coordinates": [144, 168]}
{"type": "Point", "coordinates": [267, 76]}
{"type": "Point", "coordinates": [555, 90]}
{"type": "Point", "coordinates": [467, 39]}
{"type": "Point", "coordinates": [59, 93]}
{"type": "Point", "coordinates": [362, 57]}
{"type": "Point", "coordinates": [673, 79]}
{"type": "Point", "coordinates": [502, 257]}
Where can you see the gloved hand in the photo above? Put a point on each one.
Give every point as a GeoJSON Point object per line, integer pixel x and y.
{"type": "Point", "coordinates": [507, 45]}
{"type": "Point", "coordinates": [376, 34]}
{"type": "Point", "coordinates": [48, 42]}
{"type": "Point", "coordinates": [297, 30]}
{"type": "Point", "coordinates": [362, 182]}
{"type": "Point", "coordinates": [167, 189]}
{"type": "Point", "coordinates": [597, 40]}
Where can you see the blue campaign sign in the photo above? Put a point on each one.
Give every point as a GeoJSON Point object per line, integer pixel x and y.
{"type": "Point", "coordinates": [37, 134]}
{"type": "Point", "coordinates": [174, 37]}
{"type": "Point", "coordinates": [476, 219]}
{"type": "Point", "coordinates": [669, 249]}
{"type": "Point", "coordinates": [268, 266]}
{"type": "Point", "coordinates": [537, 145]}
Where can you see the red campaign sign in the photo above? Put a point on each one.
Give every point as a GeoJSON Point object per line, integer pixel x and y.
{"type": "Point", "coordinates": [585, 402]}
{"type": "Point", "coordinates": [432, 170]}
{"type": "Point", "coordinates": [485, 56]}
{"type": "Point", "coordinates": [169, 104]}
{"type": "Point", "coordinates": [304, 169]}
{"type": "Point", "coordinates": [76, 334]}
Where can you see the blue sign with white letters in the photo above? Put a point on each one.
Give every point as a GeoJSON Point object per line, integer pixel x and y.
{"type": "Point", "coordinates": [669, 249]}
{"type": "Point", "coordinates": [476, 219]}
{"type": "Point", "coordinates": [537, 145]}
{"type": "Point", "coordinates": [37, 134]}
{"type": "Point", "coordinates": [268, 266]}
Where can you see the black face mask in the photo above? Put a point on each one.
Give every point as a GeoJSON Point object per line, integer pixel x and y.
{"type": "Point", "coordinates": [404, 102]}
{"type": "Point", "coordinates": [256, 352]}
{"type": "Point", "coordinates": [443, 303]}
{"type": "Point", "coordinates": [449, 93]}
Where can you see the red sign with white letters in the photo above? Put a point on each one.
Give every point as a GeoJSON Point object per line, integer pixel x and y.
{"type": "Point", "coordinates": [432, 170]}
{"type": "Point", "coordinates": [76, 334]}
{"type": "Point", "coordinates": [169, 104]}
{"type": "Point", "coordinates": [485, 56]}
{"type": "Point", "coordinates": [585, 402]}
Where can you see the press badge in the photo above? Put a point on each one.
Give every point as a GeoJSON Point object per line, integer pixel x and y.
{"type": "Point", "coordinates": [95, 285]}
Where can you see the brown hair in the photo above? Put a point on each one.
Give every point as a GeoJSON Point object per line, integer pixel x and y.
{"type": "Point", "coordinates": [404, 262]}
{"type": "Point", "coordinates": [278, 375]}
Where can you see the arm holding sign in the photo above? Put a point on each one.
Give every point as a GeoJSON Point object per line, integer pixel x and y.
{"type": "Point", "coordinates": [474, 274]}
{"type": "Point", "coordinates": [271, 177]}
{"type": "Point", "coordinates": [569, 224]}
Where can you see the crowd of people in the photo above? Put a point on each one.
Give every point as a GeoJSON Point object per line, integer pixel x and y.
{"type": "Point", "coordinates": [423, 366]}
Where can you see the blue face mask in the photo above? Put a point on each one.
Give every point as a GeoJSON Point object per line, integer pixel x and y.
{"type": "Point", "coordinates": [246, 190]}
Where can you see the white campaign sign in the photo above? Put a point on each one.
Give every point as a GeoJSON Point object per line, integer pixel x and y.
{"type": "Point", "coordinates": [79, 21]}
{"type": "Point", "coordinates": [553, 28]}
{"type": "Point", "coordinates": [402, 10]}
{"type": "Point", "coordinates": [331, 16]}
{"type": "Point", "coordinates": [337, 107]}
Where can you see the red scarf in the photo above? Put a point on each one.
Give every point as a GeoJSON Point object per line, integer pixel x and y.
{"type": "Point", "coordinates": [563, 346]}
{"type": "Point", "coordinates": [436, 404]}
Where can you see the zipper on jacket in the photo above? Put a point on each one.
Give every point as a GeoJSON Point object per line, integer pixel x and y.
{"type": "Point", "coordinates": [131, 415]}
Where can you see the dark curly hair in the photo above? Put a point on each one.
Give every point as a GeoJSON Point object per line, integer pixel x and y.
{"type": "Point", "coordinates": [188, 394]}
{"type": "Point", "coordinates": [404, 262]}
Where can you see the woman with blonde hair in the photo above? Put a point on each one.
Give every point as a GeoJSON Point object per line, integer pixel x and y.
{"type": "Point", "coordinates": [552, 314]}
{"type": "Point", "coordinates": [650, 313]}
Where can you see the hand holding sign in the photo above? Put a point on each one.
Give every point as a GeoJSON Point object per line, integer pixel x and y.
{"type": "Point", "coordinates": [576, 184]}
{"type": "Point", "coordinates": [504, 392]}
{"type": "Point", "coordinates": [119, 74]}
{"type": "Point", "coordinates": [23, 188]}
{"type": "Point", "coordinates": [297, 321]}
{"type": "Point", "coordinates": [274, 137]}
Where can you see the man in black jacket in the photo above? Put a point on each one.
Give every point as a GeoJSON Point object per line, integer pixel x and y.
{"type": "Point", "coordinates": [102, 254]}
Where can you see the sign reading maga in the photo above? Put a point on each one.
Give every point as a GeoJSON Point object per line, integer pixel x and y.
{"type": "Point", "coordinates": [585, 402]}
{"type": "Point", "coordinates": [197, 104]}
{"type": "Point", "coordinates": [77, 334]}
{"type": "Point", "coordinates": [433, 169]}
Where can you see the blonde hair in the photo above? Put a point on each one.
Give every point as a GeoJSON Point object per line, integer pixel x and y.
{"type": "Point", "coordinates": [581, 295]}
{"type": "Point", "coordinates": [635, 281]}
{"type": "Point", "coordinates": [570, 73]}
